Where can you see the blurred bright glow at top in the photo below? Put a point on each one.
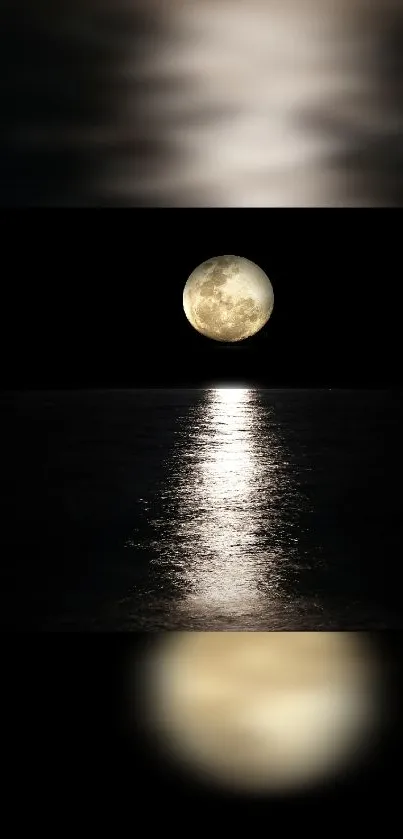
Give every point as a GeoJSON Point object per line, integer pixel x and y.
{"type": "Point", "coordinates": [263, 100]}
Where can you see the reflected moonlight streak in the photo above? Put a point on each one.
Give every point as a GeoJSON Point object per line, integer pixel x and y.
{"type": "Point", "coordinates": [231, 539]}
{"type": "Point", "coordinates": [225, 531]}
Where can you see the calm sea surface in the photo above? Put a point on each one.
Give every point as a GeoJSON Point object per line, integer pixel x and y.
{"type": "Point", "coordinates": [201, 509]}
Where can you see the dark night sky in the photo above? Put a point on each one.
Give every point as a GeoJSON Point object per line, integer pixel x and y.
{"type": "Point", "coordinates": [94, 298]}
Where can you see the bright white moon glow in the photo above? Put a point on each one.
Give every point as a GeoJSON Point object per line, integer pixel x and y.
{"type": "Point", "coordinates": [228, 298]}
{"type": "Point", "coordinates": [264, 712]}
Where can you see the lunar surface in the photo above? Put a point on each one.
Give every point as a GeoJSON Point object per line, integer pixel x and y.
{"type": "Point", "coordinates": [228, 298]}
{"type": "Point", "coordinates": [264, 712]}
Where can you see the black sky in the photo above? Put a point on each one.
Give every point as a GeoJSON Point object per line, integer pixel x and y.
{"type": "Point", "coordinates": [94, 298]}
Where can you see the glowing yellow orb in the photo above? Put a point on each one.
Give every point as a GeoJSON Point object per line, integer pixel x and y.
{"type": "Point", "coordinates": [263, 711]}
{"type": "Point", "coordinates": [228, 298]}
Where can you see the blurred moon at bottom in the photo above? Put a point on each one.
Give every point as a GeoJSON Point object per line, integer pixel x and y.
{"type": "Point", "coordinates": [261, 713]}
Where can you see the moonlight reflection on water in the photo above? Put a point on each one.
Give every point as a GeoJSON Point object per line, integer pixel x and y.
{"type": "Point", "coordinates": [228, 488]}
{"type": "Point", "coordinates": [204, 509]}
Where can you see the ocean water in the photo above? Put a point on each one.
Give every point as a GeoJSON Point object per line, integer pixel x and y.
{"type": "Point", "coordinates": [206, 509]}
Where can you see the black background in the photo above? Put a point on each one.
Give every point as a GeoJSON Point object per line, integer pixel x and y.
{"type": "Point", "coordinates": [94, 298]}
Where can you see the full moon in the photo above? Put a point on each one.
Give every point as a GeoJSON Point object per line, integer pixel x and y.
{"type": "Point", "coordinates": [228, 298]}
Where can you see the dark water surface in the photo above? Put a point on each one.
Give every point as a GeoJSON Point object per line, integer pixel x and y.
{"type": "Point", "coordinates": [201, 509]}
